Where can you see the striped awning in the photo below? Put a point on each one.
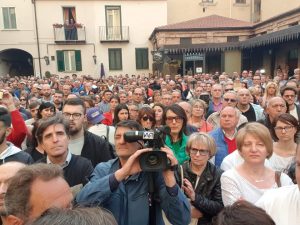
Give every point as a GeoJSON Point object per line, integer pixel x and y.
{"type": "Point", "coordinates": [281, 36]}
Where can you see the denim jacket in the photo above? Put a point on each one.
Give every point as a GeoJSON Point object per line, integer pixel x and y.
{"type": "Point", "coordinates": [129, 203]}
{"type": "Point", "coordinates": [222, 148]}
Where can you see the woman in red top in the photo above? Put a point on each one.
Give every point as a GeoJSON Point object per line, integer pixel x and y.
{"type": "Point", "coordinates": [109, 116]}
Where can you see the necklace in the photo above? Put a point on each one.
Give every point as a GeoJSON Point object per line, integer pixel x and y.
{"type": "Point", "coordinates": [259, 181]}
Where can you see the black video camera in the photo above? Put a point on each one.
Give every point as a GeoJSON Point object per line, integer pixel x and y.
{"type": "Point", "coordinates": [154, 160]}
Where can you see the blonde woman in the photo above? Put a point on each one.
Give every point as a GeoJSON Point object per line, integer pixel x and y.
{"type": "Point", "coordinates": [249, 180]}
{"type": "Point", "coordinates": [271, 91]}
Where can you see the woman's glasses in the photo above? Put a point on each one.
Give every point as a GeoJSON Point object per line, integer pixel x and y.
{"type": "Point", "coordinates": [145, 118]}
{"type": "Point", "coordinates": [202, 152]}
{"type": "Point", "coordinates": [286, 129]}
{"type": "Point", "coordinates": [172, 118]}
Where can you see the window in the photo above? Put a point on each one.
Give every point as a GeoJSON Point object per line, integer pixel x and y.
{"type": "Point", "coordinates": [185, 41]}
{"type": "Point", "coordinates": [113, 23]}
{"type": "Point", "coordinates": [293, 54]}
{"type": "Point", "coordinates": [9, 18]}
{"type": "Point", "coordinates": [240, 1]}
{"type": "Point", "coordinates": [232, 38]}
{"type": "Point", "coordinates": [141, 58]}
{"type": "Point", "coordinates": [69, 15]}
{"type": "Point", "coordinates": [115, 58]}
{"type": "Point", "coordinates": [69, 61]}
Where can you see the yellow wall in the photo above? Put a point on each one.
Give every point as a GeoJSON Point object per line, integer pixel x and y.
{"type": "Point", "coordinates": [182, 10]}
{"type": "Point", "coordinates": [232, 61]}
{"type": "Point", "coordinates": [270, 8]}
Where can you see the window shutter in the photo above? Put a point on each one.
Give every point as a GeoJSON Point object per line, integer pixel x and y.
{"type": "Point", "coordinates": [138, 58]}
{"type": "Point", "coordinates": [6, 17]}
{"type": "Point", "coordinates": [60, 61]}
{"type": "Point", "coordinates": [12, 14]}
{"type": "Point", "coordinates": [145, 59]}
{"type": "Point", "coordinates": [141, 58]}
{"type": "Point", "coordinates": [78, 60]}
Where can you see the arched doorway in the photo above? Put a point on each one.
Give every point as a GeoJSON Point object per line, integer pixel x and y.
{"type": "Point", "coordinates": [16, 62]}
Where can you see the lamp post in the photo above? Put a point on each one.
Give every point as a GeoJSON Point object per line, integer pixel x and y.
{"type": "Point", "coordinates": [95, 59]}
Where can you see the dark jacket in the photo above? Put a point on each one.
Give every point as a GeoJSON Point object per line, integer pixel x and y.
{"type": "Point", "coordinates": [13, 153]}
{"type": "Point", "coordinates": [208, 198]}
{"type": "Point", "coordinates": [77, 171]}
{"type": "Point", "coordinates": [96, 148]}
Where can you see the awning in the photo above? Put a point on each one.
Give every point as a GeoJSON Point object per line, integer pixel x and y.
{"type": "Point", "coordinates": [288, 34]}
{"type": "Point", "coordinates": [207, 47]}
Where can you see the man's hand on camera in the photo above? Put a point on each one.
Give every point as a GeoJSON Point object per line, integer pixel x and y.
{"type": "Point", "coordinates": [132, 165]}
{"type": "Point", "coordinates": [169, 174]}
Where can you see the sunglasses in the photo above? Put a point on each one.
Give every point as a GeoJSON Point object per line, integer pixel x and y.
{"type": "Point", "coordinates": [229, 100]}
{"type": "Point", "coordinates": [145, 118]}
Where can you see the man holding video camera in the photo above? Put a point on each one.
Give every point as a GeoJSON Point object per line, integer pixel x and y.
{"type": "Point", "coordinates": [120, 186]}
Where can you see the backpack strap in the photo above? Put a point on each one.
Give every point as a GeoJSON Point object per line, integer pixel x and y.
{"type": "Point", "coordinates": [107, 133]}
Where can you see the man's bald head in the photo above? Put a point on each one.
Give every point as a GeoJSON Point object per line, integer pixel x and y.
{"type": "Point", "coordinates": [7, 171]}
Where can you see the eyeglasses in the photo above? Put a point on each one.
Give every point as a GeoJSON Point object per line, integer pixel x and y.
{"type": "Point", "coordinates": [75, 116]}
{"type": "Point", "coordinates": [139, 94]}
{"type": "Point", "coordinates": [229, 100]}
{"type": "Point", "coordinates": [202, 152]}
{"type": "Point", "coordinates": [289, 96]}
{"type": "Point", "coordinates": [172, 118]}
{"type": "Point", "coordinates": [286, 129]}
{"type": "Point", "coordinates": [145, 118]}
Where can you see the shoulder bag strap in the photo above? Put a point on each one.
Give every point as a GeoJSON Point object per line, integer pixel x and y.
{"type": "Point", "coordinates": [277, 178]}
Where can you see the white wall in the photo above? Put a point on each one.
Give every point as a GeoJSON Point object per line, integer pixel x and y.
{"type": "Point", "coordinates": [141, 17]}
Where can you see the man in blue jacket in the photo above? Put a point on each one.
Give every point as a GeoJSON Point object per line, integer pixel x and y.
{"type": "Point", "coordinates": [120, 186]}
{"type": "Point", "coordinates": [224, 136]}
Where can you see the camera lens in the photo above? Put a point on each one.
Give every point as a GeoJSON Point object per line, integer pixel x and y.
{"type": "Point", "coordinates": [153, 160]}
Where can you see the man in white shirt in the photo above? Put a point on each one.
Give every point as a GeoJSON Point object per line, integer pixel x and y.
{"type": "Point", "coordinates": [283, 204]}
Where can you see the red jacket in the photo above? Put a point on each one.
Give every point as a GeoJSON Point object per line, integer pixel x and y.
{"type": "Point", "coordinates": [19, 129]}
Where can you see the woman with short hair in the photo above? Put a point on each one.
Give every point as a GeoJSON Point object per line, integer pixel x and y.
{"type": "Point", "coordinates": [197, 119]}
{"type": "Point", "coordinates": [146, 118]}
{"type": "Point", "coordinates": [200, 179]}
{"type": "Point", "coordinates": [252, 178]}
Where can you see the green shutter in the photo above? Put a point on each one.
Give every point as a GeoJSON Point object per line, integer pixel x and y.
{"type": "Point", "coordinates": [145, 59]}
{"type": "Point", "coordinates": [12, 14]}
{"type": "Point", "coordinates": [138, 59]}
{"type": "Point", "coordinates": [60, 61]}
{"type": "Point", "coordinates": [141, 58]}
{"type": "Point", "coordinates": [78, 60]}
{"type": "Point", "coordinates": [6, 17]}
{"type": "Point", "coordinates": [115, 59]}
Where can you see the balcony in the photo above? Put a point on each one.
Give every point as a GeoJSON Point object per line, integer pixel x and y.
{"type": "Point", "coordinates": [114, 34]}
{"type": "Point", "coordinates": [69, 34]}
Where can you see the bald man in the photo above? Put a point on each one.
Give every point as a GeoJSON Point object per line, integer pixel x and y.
{"type": "Point", "coordinates": [7, 171]}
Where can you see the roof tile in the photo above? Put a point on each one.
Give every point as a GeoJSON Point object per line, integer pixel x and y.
{"type": "Point", "coordinates": [213, 21]}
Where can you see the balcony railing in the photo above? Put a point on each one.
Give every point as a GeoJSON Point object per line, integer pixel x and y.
{"type": "Point", "coordinates": [69, 34]}
{"type": "Point", "coordinates": [114, 34]}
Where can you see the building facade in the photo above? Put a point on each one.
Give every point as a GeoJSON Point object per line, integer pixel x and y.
{"type": "Point", "coordinates": [82, 37]}
{"type": "Point", "coordinates": [216, 44]}
{"type": "Point", "coordinates": [246, 10]}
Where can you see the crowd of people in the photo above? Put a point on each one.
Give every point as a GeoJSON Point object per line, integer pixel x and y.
{"type": "Point", "coordinates": [230, 141]}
